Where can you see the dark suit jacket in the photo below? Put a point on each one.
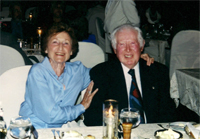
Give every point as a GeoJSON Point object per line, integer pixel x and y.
{"type": "Point", "coordinates": [109, 78]}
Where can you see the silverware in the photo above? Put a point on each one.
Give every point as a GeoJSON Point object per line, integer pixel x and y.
{"type": "Point", "coordinates": [53, 131]}
{"type": "Point", "coordinates": [58, 132]}
{"type": "Point", "coordinates": [161, 126]}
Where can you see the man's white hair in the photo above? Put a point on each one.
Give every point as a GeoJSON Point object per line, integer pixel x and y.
{"type": "Point", "coordinates": [123, 27]}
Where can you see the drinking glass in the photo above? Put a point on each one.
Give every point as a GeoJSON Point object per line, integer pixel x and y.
{"type": "Point", "coordinates": [3, 130]}
{"type": "Point", "coordinates": [20, 127]}
{"type": "Point", "coordinates": [129, 118]}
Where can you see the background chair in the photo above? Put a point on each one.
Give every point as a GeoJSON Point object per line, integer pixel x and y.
{"type": "Point", "coordinates": [12, 90]}
{"type": "Point", "coordinates": [89, 54]}
{"type": "Point", "coordinates": [156, 49]}
{"type": "Point", "coordinates": [185, 50]}
{"type": "Point", "coordinates": [91, 21]}
{"type": "Point", "coordinates": [4, 12]}
{"type": "Point", "coordinates": [100, 33]}
{"type": "Point", "coordinates": [9, 58]}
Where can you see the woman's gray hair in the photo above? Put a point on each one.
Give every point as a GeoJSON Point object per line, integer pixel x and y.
{"type": "Point", "coordinates": [122, 27]}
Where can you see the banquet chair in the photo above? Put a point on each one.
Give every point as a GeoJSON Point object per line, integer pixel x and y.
{"type": "Point", "coordinates": [185, 50]}
{"type": "Point", "coordinates": [100, 33]}
{"type": "Point", "coordinates": [89, 54]}
{"type": "Point", "coordinates": [91, 22]}
{"type": "Point", "coordinates": [12, 90]}
{"type": "Point", "coordinates": [9, 58]}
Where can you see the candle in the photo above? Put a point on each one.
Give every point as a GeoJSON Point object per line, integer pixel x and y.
{"type": "Point", "coordinates": [30, 16]}
{"type": "Point", "coordinates": [39, 31]}
{"type": "Point", "coordinates": [110, 119]}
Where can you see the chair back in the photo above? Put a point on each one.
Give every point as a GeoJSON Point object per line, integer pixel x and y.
{"type": "Point", "coordinates": [4, 12]}
{"type": "Point", "coordinates": [100, 33]}
{"type": "Point", "coordinates": [89, 54]}
{"type": "Point", "coordinates": [30, 10]}
{"type": "Point", "coordinates": [185, 50]}
{"type": "Point", "coordinates": [12, 90]}
{"type": "Point", "coordinates": [91, 22]}
{"type": "Point", "coordinates": [9, 58]}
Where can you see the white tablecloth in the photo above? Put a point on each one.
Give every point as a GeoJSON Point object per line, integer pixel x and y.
{"type": "Point", "coordinates": [143, 130]}
{"type": "Point", "coordinates": [36, 53]}
{"type": "Point", "coordinates": [156, 49]}
{"type": "Point", "coordinates": [185, 84]}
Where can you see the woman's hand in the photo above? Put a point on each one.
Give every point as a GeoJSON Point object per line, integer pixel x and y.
{"type": "Point", "coordinates": [149, 59]}
{"type": "Point", "coordinates": [87, 99]}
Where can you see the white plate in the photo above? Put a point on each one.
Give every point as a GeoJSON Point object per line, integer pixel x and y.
{"type": "Point", "coordinates": [178, 125]}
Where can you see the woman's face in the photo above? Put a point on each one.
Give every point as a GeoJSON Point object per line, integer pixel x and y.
{"type": "Point", "coordinates": [59, 47]}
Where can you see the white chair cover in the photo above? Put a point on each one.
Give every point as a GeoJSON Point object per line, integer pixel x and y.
{"type": "Point", "coordinates": [12, 90]}
{"type": "Point", "coordinates": [91, 22]}
{"type": "Point", "coordinates": [100, 33]}
{"type": "Point", "coordinates": [185, 50]}
{"type": "Point", "coordinates": [89, 54]}
{"type": "Point", "coordinates": [9, 58]}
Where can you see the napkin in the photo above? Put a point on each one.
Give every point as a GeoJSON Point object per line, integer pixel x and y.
{"type": "Point", "coordinates": [74, 124]}
{"type": "Point", "coordinates": [193, 130]}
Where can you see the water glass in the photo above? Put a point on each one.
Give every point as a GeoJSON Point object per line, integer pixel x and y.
{"type": "Point", "coordinates": [129, 118]}
{"type": "Point", "coordinates": [20, 127]}
{"type": "Point", "coordinates": [3, 129]}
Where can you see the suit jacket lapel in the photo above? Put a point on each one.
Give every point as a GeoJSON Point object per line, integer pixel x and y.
{"type": "Point", "coordinates": [149, 88]}
{"type": "Point", "coordinates": [118, 86]}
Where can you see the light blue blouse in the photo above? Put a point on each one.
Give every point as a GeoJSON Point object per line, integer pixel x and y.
{"type": "Point", "coordinates": [47, 102]}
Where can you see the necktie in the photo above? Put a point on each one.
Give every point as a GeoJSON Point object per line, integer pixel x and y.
{"type": "Point", "coordinates": [135, 97]}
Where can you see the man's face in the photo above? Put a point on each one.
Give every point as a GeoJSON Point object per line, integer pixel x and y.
{"type": "Point", "coordinates": [128, 50]}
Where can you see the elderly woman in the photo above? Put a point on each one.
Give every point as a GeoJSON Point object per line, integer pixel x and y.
{"type": "Point", "coordinates": [53, 86]}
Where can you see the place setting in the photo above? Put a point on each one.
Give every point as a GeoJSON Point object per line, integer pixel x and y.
{"type": "Point", "coordinates": [21, 128]}
{"type": "Point", "coordinates": [177, 129]}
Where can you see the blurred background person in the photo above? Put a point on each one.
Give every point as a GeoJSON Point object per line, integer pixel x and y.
{"type": "Point", "coordinates": [119, 12]}
{"type": "Point", "coordinates": [56, 15]}
{"type": "Point", "coordinates": [152, 13]}
{"type": "Point", "coordinates": [15, 12]}
{"type": "Point", "coordinates": [80, 25]}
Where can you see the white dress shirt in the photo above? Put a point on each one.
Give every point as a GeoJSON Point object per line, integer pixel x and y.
{"type": "Point", "coordinates": [128, 79]}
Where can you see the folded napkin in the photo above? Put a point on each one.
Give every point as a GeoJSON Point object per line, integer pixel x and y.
{"type": "Point", "coordinates": [74, 124]}
{"type": "Point", "coordinates": [195, 131]}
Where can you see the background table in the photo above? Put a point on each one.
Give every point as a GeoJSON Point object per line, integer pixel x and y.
{"type": "Point", "coordinates": [34, 52]}
{"type": "Point", "coordinates": [185, 84]}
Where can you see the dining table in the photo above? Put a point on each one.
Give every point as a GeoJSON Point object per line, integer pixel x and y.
{"type": "Point", "coordinates": [143, 131]}
{"type": "Point", "coordinates": [185, 86]}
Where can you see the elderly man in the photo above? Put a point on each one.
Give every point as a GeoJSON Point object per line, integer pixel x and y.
{"type": "Point", "coordinates": [114, 81]}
